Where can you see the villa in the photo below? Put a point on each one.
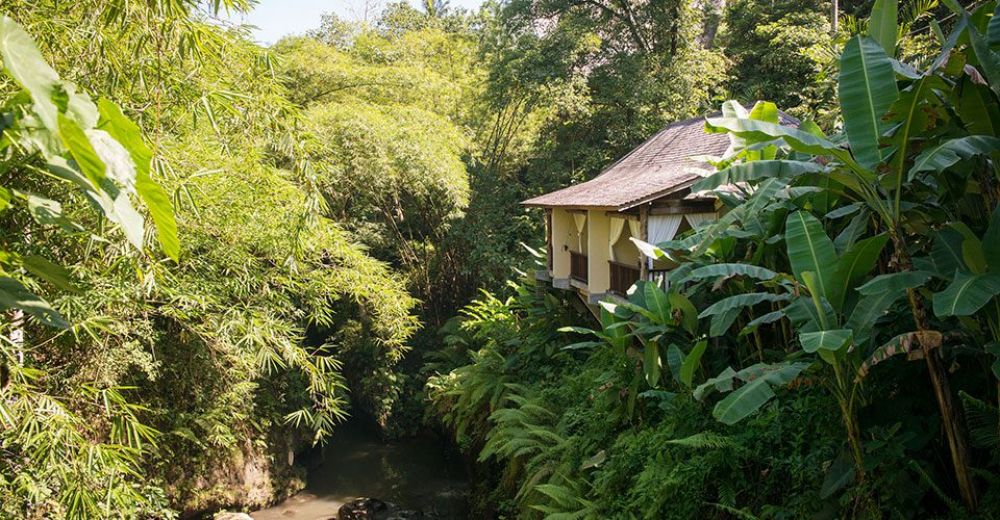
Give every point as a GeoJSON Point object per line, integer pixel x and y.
{"type": "Point", "coordinates": [646, 195]}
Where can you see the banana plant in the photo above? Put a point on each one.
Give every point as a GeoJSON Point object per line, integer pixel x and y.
{"type": "Point", "coordinates": [899, 154]}
{"type": "Point", "coordinates": [653, 327]}
{"type": "Point", "coordinates": [971, 266]}
{"type": "Point", "coordinates": [832, 312]}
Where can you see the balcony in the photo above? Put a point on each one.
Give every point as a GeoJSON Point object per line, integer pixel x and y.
{"type": "Point", "coordinates": [578, 266]}
{"type": "Point", "coordinates": [659, 277]}
{"type": "Point", "coordinates": [623, 277]}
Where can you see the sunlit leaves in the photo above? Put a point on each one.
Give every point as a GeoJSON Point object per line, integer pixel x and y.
{"type": "Point", "coordinates": [867, 90]}
{"type": "Point", "coordinates": [14, 295]}
{"type": "Point", "coordinates": [156, 199]}
{"type": "Point", "coordinates": [25, 63]}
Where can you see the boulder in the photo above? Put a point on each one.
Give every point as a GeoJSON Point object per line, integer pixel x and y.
{"type": "Point", "coordinates": [232, 516]}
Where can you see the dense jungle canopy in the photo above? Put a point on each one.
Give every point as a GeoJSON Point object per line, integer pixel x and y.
{"type": "Point", "coordinates": [216, 251]}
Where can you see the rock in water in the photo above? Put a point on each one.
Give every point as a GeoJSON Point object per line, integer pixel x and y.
{"type": "Point", "coordinates": [232, 516]}
{"type": "Point", "coordinates": [361, 509]}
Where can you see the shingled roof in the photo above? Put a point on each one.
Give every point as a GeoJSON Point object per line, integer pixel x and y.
{"type": "Point", "coordinates": [660, 166]}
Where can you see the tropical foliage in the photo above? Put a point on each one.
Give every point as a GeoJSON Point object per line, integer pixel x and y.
{"type": "Point", "coordinates": [839, 259]}
{"type": "Point", "coordinates": [215, 252]}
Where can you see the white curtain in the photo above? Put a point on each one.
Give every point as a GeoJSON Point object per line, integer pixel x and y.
{"type": "Point", "coordinates": [662, 228]}
{"type": "Point", "coordinates": [617, 226]}
{"type": "Point", "coordinates": [633, 228]}
{"type": "Point", "coordinates": [581, 223]}
{"type": "Point", "coordinates": [697, 219]}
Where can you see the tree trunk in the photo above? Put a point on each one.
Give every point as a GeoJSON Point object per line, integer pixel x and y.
{"type": "Point", "coordinates": [951, 416]}
{"type": "Point", "coordinates": [835, 17]}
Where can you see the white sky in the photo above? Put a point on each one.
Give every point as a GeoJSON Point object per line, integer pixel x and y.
{"type": "Point", "coordinates": [277, 18]}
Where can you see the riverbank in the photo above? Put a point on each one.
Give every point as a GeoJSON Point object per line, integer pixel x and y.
{"type": "Point", "coordinates": [418, 473]}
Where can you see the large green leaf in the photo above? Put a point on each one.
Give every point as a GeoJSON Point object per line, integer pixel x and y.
{"type": "Point", "coordinates": [882, 24]}
{"type": "Point", "coordinates": [741, 300]}
{"type": "Point", "coordinates": [692, 361]}
{"type": "Point", "coordinates": [26, 65]}
{"type": "Point", "coordinates": [895, 282]}
{"type": "Point", "coordinates": [867, 90]}
{"type": "Point", "coordinates": [832, 340]}
{"type": "Point", "coordinates": [946, 252]}
{"type": "Point", "coordinates": [967, 294]}
{"type": "Point", "coordinates": [616, 336]}
{"type": "Point", "coordinates": [991, 242]}
{"type": "Point", "coordinates": [82, 151]}
{"type": "Point", "coordinates": [993, 29]}
{"type": "Point", "coordinates": [722, 382]}
{"type": "Point", "coordinates": [721, 323]}
{"type": "Point", "coordinates": [689, 314]}
{"type": "Point", "coordinates": [857, 262]}
{"type": "Point", "coordinates": [979, 115]}
{"type": "Point", "coordinates": [761, 131]}
{"type": "Point", "coordinates": [810, 250]}
{"type": "Point", "coordinates": [729, 270]}
{"type": "Point", "coordinates": [53, 273]}
{"type": "Point", "coordinates": [877, 299]}
{"type": "Point", "coordinates": [744, 401]}
{"type": "Point", "coordinates": [658, 303]}
{"type": "Point", "coordinates": [972, 248]}
{"type": "Point", "coordinates": [675, 360]}
{"type": "Point", "coordinates": [156, 199]}
{"type": "Point", "coordinates": [950, 152]}
{"type": "Point", "coordinates": [989, 60]}
{"type": "Point", "coordinates": [651, 363]}
{"type": "Point", "coordinates": [14, 295]}
{"type": "Point", "coordinates": [756, 171]}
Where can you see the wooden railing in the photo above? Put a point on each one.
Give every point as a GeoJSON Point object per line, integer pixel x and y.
{"type": "Point", "coordinates": [659, 277]}
{"type": "Point", "coordinates": [623, 277]}
{"type": "Point", "coordinates": [578, 266]}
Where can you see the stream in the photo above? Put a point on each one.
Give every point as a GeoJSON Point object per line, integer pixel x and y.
{"type": "Point", "coordinates": [418, 473]}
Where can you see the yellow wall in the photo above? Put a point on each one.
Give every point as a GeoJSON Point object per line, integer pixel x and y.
{"type": "Point", "coordinates": [598, 277]}
{"type": "Point", "coordinates": [563, 239]}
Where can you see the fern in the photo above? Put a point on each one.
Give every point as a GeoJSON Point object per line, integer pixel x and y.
{"type": "Point", "coordinates": [704, 440]}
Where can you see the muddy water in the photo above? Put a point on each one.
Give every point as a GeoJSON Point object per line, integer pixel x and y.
{"type": "Point", "coordinates": [414, 473]}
